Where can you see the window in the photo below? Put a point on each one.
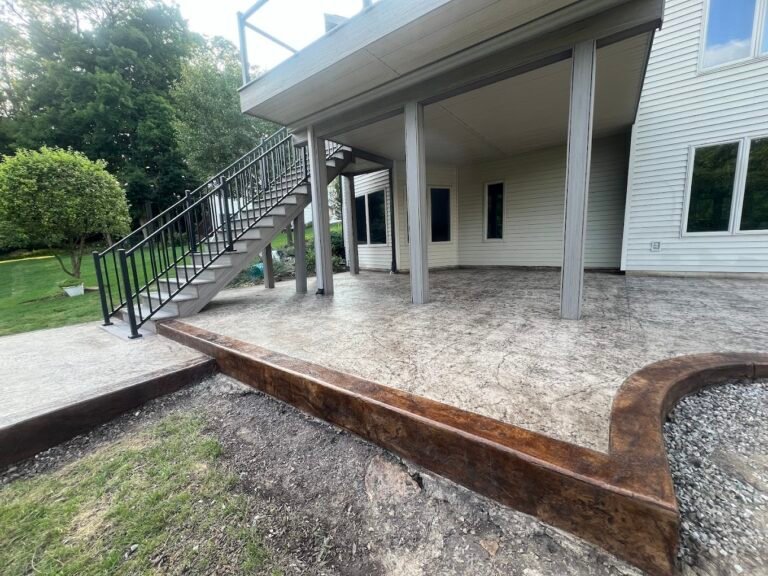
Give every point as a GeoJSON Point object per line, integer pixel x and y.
{"type": "Point", "coordinates": [727, 177]}
{"type": "Point", "coordinates": [712, 183]}
{"type": "Point", "coordinates": [494, 209]}
{"type": "Point", "coordinates": [731, 30]}
{"type": "Point", "coordinates": [754, 211]}
{"type": "Point", "coordinates": [377, 223]}
{"type": "Point", "coordinates": [440, 201]}
{"type": "Point", "coordinates": [371, 218]}
{"type": "Point", "coordinates": [362, 233]}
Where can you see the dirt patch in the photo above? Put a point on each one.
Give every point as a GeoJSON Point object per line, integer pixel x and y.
{"type": "Point", "coordinates": [328, 503]}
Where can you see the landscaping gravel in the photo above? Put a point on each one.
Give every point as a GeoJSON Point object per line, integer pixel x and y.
{"type": "Point", "coordinates": [717, 441]}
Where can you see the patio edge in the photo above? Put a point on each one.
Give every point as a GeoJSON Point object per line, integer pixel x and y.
{"type": "Point", "coordinates": [28, 437]}
{"type": "Point", "coordinates": [623, 501]}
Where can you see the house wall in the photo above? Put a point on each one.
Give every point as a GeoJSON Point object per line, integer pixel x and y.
{"type": "Point", "coordinates": [681, 107]}
{"type": "Point", "coordinates": [534, 202]}
{"type": "Point", "coordinates": [533, 206]}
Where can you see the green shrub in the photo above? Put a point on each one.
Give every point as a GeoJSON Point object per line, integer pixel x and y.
{"type": "Point", "coordinates": [59, 199]}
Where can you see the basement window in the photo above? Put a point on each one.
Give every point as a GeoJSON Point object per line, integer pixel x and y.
{"type": "Point", "coordinates": [440, 211]}
{"type": "Point", "coordinates": [728, 188]}
{"type": "Point", "coordinates": [377, 218]}
{"type": "Point", "coordinates": [494, 211]}
{"type": "Point", "coordinates": [754, 212]}
{"type": "Point", "coordinates": [371, 218]}
{"type": "Point", "coordinates": [712, 183]}
{"type": "Point", "coordinates": [360, 218]}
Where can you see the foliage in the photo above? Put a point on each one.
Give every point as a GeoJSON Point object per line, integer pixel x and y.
{"type": "Point", "coordinates": [337, 243]}
{"type": "Point", "coordinates": [59, 199]}
{"type": "Point", "coordinates": [155, 501]}
{"type": "Point", "coordinates": [211, 129]}
{"type": "Point", "coordinates": [96, 77]}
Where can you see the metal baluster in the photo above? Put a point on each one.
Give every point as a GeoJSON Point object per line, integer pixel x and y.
{"type": "Point", "coordinates": [128, 296]}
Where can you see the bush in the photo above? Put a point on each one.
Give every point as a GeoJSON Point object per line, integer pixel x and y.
{"type": "Point", "coordinates": [58, 199]}
{"type": "Point", "coordinates": [337, 244]}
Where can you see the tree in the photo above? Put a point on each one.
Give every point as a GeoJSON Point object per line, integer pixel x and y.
{"type": "Point", "coordinates": [96, 76]}
{"type": "Point", "coordinates": [212, 130]}
{"type": "Point", "coordinates": [59, 199]}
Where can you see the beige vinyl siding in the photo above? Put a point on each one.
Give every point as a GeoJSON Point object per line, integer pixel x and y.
{"type": "Point", "coordinates": [534, 189]}
{"type": "Point", "coordinates": [440, 254]}
{"type": "Point", "coordinates": [680, 108]}
{"type": "Point", "coordinates": [375, 256]}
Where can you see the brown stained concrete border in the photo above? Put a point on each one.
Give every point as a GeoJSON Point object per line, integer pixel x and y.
{"type": "Point", "coordinates": [623, 501]}
{"type": "Point", "coordinates": [28, 437]}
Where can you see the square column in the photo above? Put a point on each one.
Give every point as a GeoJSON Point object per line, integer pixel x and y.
{"type": "Point", "coordinates": [349, 215]}
{"type": "Point", "coordinates": [321, 221]}
{"type": "Point", "coordinates": [269, 271]}
{"type": "Point", "coordinates": [577, 178]}
{"type": "Point", "coordinates": [416, 186]}
{"type": "Point", "coordinates": [300, 252]}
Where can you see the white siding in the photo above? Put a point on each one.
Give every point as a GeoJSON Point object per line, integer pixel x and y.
{"type": "Point", "coordinates": [534, 197]}
{"type": "Point", "coordinates": [375, 256]}
{"type": "Point", "coordinates": [440, 254]}
{"type": "Point", "coordinates": [679, 108]}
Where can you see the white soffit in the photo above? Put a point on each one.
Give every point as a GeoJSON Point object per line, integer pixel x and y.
{"type": "Point", "coordinates": [522, 113]}
{"type": "Point", "coordinates": [392, 38]}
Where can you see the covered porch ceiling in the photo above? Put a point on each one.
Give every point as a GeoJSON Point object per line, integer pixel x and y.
{"type": "Point", "coordinates": [518, 114]}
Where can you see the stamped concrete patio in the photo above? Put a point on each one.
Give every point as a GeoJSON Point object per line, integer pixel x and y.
{"type": "Point", "coordinates": [491, 341]}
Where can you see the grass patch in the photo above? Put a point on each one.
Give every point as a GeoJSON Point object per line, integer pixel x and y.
{"type": "Point", "coordinates": [157, 502]}
{"type": "Point", "coordinates": [30, 297]}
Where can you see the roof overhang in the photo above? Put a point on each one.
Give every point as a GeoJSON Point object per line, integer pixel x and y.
{"type": "Point", "coordinates": [400, 50]}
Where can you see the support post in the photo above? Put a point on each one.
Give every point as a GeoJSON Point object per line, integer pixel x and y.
{"type": "Point", "coordinates": [349, 216]}
{"type": "Point", "coordinates": [244, 64]}
{"type": "Point", "coordinates": [416, 187]}
{"type": "Point", "coordinates": [577, 178]}
{"type": "Point", "coordinates": [318, 176]}
{"type": "Point", "coordinates": [300, 248]}
{"type": "Point", "coordinates": [269, 271]}
{"type": "Point", "coordinates": [102, 293]}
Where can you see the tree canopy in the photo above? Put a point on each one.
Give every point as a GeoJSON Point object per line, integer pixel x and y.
{"type": "Point", "coordinates": [58, 198]}
{"type": "Point", "coordinates": [211, 129]}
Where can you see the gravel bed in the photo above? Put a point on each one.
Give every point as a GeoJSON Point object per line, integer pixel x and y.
{"type": "Point", "coordinates": [717, 442]}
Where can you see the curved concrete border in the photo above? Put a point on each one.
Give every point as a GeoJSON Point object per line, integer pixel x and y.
{"type": "Point", "coordinates": [622, 501]}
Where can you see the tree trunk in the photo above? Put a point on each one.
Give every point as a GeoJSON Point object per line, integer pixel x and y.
{"type": "Point", "coordinates": [289, 235]}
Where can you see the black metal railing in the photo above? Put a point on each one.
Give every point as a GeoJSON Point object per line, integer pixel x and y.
{"type": "Point", "coordinates": [151, 266]}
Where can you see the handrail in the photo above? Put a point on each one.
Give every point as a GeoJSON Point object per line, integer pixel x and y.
{"type": "Point", "coordinates": [150, 223]}
{"type": "Point", "coordinates": [144, 275]}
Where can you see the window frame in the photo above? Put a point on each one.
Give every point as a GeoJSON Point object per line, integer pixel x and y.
{"type": "Point", "coordinates": [739, 187]}
{"type": "Point", "coordinates": [451, 211]}
{"type": "Point", "coordinates": [486, 186]}
{"type": "Point", "coordinates": [761, 14]}
{"type": "Point", "coordinates": [365, 195]}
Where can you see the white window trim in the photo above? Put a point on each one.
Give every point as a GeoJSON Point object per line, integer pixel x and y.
{"type": "Point", "coordinates": [739, 187]}
{"type": "Point", "coordinates": [365, 195]}
{"type": "Point", "coordinates": [452, 209]}
{"type": "Point", "coordinates": [503, 212]}
{"type": "Point", "coordinates": [761, 13]}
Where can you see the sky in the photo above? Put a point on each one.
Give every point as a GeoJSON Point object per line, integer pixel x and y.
{"type": "Point", "coordinates": [295, 22]}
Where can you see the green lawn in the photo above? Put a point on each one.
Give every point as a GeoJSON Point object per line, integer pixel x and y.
{"type": "Point", "coordinates": [30, 298]}
{"type": "Point", "coordinates": [157, 501]}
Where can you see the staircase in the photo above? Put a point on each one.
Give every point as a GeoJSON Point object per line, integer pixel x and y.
{"type": "Point", "coordinates": [173, 265]}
